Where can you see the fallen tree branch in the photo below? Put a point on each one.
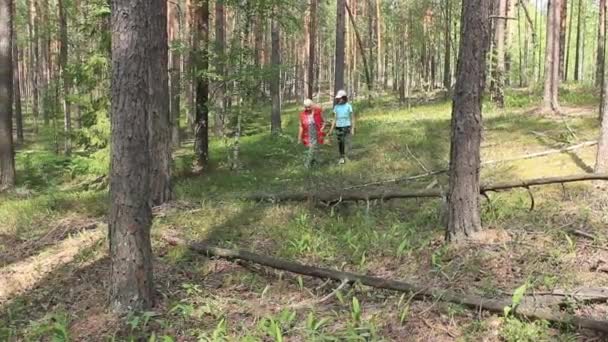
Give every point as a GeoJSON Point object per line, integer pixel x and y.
{"type": "Point", "coordinates": [471, 301]}
{"type": "Point", "coordinates": [331, 197]}
{"type": "Point", "coordinates": [489, 162]}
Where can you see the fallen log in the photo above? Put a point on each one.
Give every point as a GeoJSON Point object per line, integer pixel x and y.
{"type": "Point", "coordinates": [471, 301]}
{"type": "Point", "coordinates": [333, 197]}
{"type": "Point", "coordinates": [488, 162]}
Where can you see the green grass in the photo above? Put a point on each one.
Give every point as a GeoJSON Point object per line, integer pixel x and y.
{"type": "Point", "coordinates": [397, 239]}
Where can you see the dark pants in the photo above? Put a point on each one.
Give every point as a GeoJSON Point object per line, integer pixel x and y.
{"type": "Point", "coordinates": [343, 134]}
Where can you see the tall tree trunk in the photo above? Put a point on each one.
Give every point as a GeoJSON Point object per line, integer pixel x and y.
{"type": "Point", "coordinates": [447, 74]}
{"type": "Point", "coordinates": [189, 65]}
{"type": "Point", "coordinates": [577, 55]}
{"type": "Point", "coordinates": [499, 55]}
{"type": "Point", "coordinates": [159, 118]}
{"type": "Point", "coordinates": [33, 60]}
{"type": "Point", "coordinates": [220, 37]}
{"type": "Point", "coordinates": [275, 83]}
{"type": "Point", "coordinates": [67, 81]}
{"type": "Point", "coordinates": [16, 83]}
{"type": "Point", "coordinates": [562, 38]}
{"type": "Point", "coordinates": [601, 41]}
{"type": "Point", "coordinates": [340, 46]}
{"type": "Point", "coordinates": [463, 194]}
{"type": "Point", "coordinates": [201, 145]}
{"type": "Point", "coordinates": [131, 280]}
{"type": "Point", "coordinates": [7, 158]}
{"type": "Point", "coordinates": [360, 44]}
{"type": "Point", "coordinates": [312, 30]}
{"type": "Point", "coordinates": [601, 162]}
{"type": "Point", "coordinates": [552, 80]}
{"type": "Point", "coordinates": [569, 43]}
{"type": "Point", "coordinates": [175, 61]}
{"type": "Point", "coordinates": [45, 61]}
{"type": "Point", "coordinates": [380, 58]}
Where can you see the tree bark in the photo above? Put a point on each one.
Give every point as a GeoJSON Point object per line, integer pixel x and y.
{"type": "Point", "coordinates": [360, 44]}
{"type": "Point", "coordinates": [562, 37]}
{"type": "Point", "coordinates": [601, 161]}
{"type": "Point", "coordinates": [131, 280]}
{"type": "Point", "coordinates": [201, 144]}
{"type": "Point", "coordinates": [67, 81]}
{"type": "Point", "coordinates": [340, 46]}
{"type": "Point", "coordinates": [275, 83]}
{"type": "Point", "coordinates": [175, 61]}
{"type": "Point", "coordinates": [499, 55]}
{"type": "Point", "coordinates": [312, 30]}
{"type": "Point", "coordinates": [552, 80]}
{"type": "Point", "coordinates": [601, 41]}
{"type": "Point", "coordinates": [159, 114]}
{"type": "Point", "coordinates": [220, 37]}
{"type": "Point", "coordinates": [7, 158]}
{"type": "Point", "coordinates": [447, 74]}
{"type": "Point", "coordinates": [33, 59]}
{"type": "Point", "coordinates": [17, 83]}
{"type": "Point", "coordinates": [568, 43]}
{"type": "Point", "coordinates": [577, 54]}
{"type": "Point", "coordinates": [463, 193]}
{"type": "Point", "coordinates": [380, 58]}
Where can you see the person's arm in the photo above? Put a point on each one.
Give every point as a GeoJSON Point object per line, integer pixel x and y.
{"type": "Point", "coordinates": [333, 124]}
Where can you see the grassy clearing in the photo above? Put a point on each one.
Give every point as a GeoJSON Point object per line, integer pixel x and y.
{"type": "Point", "coordinates": [213, 300]}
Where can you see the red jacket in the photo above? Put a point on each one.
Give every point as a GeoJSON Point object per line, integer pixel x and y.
{"type": "Point", "coordinates": [318, 117]}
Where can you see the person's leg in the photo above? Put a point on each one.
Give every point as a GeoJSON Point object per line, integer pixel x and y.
{"type": "Point", "coordinates": [340, 133]}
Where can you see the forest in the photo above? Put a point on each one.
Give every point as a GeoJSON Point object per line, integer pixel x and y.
{"type": "Point", "coordinates": [303, 170]}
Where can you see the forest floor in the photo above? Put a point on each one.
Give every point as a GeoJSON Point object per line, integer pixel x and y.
{"type": "Point", "coordinates": [53, 249]}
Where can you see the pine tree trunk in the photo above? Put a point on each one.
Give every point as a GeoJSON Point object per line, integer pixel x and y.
{"type": "Point", "coordinates": [220, 37]}
{"type": "Point", "coordinates": [7, 159]}
{"type": "Point", "coordinates": [275, 83]}
{"type": "Point", "coordinates": [312, 30]}
{"type": "Point", "coordinates": [601, 41]}
{"type": "Point", "coordinates": [201, 143]}
{"type": "Point", "coordinates": [499, 55]}
{"type": "Point", "coordinates": [577, 55]}
{"type": "Point", "coordinates": [159, 119]}
{"type": "Point", "coordinates": [463, 194]}
{"type": "Point", "coordinates": [380, 58]}
{"type": "Point", "coordinates": [175, 61]}
{"type": "Point", "coordinates": [340, 45]}
{"type": "Point", "coordinates": [67, 82]}
{"type": "Point", "coordinates": [16, 83]}
{"type": "Point", "coordinates": [562, 37]}
{"type": "Point", "coordinates": [601, 161]}
{"type": "Point", "coordinates": [33, 60]}
{"type": "Point", "coordinates": [568, 43]}
{"type": "Point", "coordinates": [550, 103]}
{"type": "Point", "coordinates": [447, 74]}
{"type": "Point", "coordinates": [131, 280]}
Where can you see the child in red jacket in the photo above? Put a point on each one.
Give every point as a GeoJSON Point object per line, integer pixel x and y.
{"type": "Point", "coordinates": [311, 129]}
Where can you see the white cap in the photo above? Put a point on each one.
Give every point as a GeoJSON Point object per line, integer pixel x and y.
{"type": "Point", "coordinates": [308, 103]}
{"type": "Point", "coordinates": [340, 94]}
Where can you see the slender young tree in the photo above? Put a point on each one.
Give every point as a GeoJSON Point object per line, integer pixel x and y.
{"type": "Point", "coordinates": [463, 217]}
{"type": "Point", "coordinates": [7, 159]}
{"type": "Point", "coordinates": [340, 45]}
{"type": "Point", "coordinates": [131, 279]}
{"type": "Point", "coordinates": [201, 139]}
{"type": "Point", "coordinates": [33, 60]}
{"type": "Point", "coordinates": [275, 83]}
